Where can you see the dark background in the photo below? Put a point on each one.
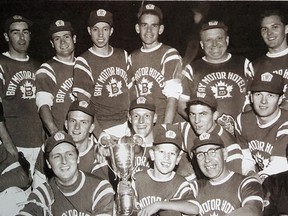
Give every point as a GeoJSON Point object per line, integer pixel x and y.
{"type": "Point", "coordinates": [241, 17]}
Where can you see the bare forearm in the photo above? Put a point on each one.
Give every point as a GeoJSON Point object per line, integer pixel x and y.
{"type": "Point", "coordinates": [47, 119]}
{"type": "Point", "coordinates": [171, 109]}
{"type": "Point", "coordinates": [7, 141]}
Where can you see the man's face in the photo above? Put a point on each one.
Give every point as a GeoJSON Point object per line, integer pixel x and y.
{"type": "Point", "coordinates": [165, 157]}
{"type": "Point", "coordinates": [64, 43]}
{"type": "Point", "coordinates": [213, 165]}
{"type": "Point", "coordinates": [100, 34]}
{"type": "Point", "coordinates": [149, 29]}
{"type": "Point", "coordinates": [142, 121]}
{"type": "Point", "coordinates": [273, 32]}
{"type": "Point", "coordinates": [79, 126]}
{"type": "Point", "coordinates": [63, 160]}
{"type": "Point", "coordinates": [266, 105]}
{"type": "Point", "coordinates": [214, 42]}
{"type": "Point", "coordinates": [202, 118]}
{"type": "Point", "coordinates": [18, 37]}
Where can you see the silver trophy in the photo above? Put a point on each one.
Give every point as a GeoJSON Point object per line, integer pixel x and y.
{"type": "Point", "coordinates": [122, 155]}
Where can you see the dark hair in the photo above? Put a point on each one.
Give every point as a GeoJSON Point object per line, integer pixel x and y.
{"type": "Point", "coordinates": [152, 13]}
{"type": "Point", "coordinates": [196, 102]}
{"type": "Point", "coordinates": [278, 13]}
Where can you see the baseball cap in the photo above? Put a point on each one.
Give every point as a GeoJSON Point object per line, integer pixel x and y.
{"type": "Point", "coordinates": [83, 106]}
{"type": "Point", "coordinates": [212, 24]}
{"type": "Point", "coordinates": [143, 102]}
{"type": "Point", "coordinates": [268, 82]}
{"type": "Point", "coordinates": [205, 98]}
{"type": "Point", "coordinates": [16, 18]}
{"type": "Point", "coordinates": [208, 139]}
{"type": "Point", "coordinates": [150, 8]}
{"type": "Point", "coordinates": [168, 133]}
{"type": "Point", "coordinates": [100, 15]}
{"type": "Point", "coordinates": [60, 25]}
{"type": "Point", "coordinates": [56, 139]}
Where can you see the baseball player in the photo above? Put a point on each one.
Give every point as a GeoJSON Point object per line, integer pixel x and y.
{"type": "Point", "coordinates": [224, 192]}
{"type": "Point", "coordinates": [101, 75]}
{"type": "Point", "coordinates": [54, 79]}
{"type": "Point", "coordinates": [154, 65]}
{"type": "Point", "coordinates": [70, 191]}
{"type": "Point", "coordinates": [274, 31]}
{"type": "Point", "coordinates": [263, 131]}
{"type": "Point", "coordinates": [18, 90]}
{"type": "Point", "coordinates": [160, 188]}
{"type": "Point", "coordinates": [219, 73]}
{"type": "Point", "coordinates": [203, 114]}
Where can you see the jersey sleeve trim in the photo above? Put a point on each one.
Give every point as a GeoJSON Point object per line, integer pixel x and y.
{"type": "Point", "coordinates": [44, 98]}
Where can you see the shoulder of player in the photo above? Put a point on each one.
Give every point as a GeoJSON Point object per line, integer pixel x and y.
{"type": "Point", "coordinates": [43, 193]}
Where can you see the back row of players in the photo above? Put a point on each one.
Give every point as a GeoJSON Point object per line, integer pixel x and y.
{"type": "Point", "coordinates": [109, 78]}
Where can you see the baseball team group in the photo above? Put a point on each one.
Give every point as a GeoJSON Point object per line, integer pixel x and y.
{"type": "Point", "coordinates": [144, 133]}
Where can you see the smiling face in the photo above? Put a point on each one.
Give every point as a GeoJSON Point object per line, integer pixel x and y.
{"type": "Point", "coordinates": [64, 43]}
{"type": "Point", "coordinates": [79, 126]}
{"type": "Point", "coordinates": [213, 167]}
{"type": "Point", "coordinates": [63, 160]}
{"type": "Point", "coordinates": [266, 105]}
{"type": "Point", "coordinates": [166, 157]}
{"type": "Point", "coordinates": [214, 42]}
{"type": "Point", "coordinates": [142, 121]}
{"type": "Point", "coordinates": [18, 37]}
{"type": "Point", "coordinates": [149, 29]}
{"type": "Point", "coordinates": [100, 34]}
{"type": "Point", "coordinates": [202, 118]}
{"type": "Point", "coordinates": [273, 32]}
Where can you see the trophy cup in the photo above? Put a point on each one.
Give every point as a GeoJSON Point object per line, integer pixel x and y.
{"type": "Point", "coordinates": [122, 157]}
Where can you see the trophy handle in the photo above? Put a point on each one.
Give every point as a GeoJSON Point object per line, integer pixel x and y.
{"type": "Point", "coordinates": [139, 140]}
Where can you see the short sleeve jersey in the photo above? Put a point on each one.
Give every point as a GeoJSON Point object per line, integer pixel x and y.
{"type": "Point", "coordinates": [151, 69]}
{"type": "Point", "coordinates": [229, 194]}
{"type": "Point", "coordinates": [150, 189]}
{"type": "Point", "coordinates": [106, 81]}
{"type": "Point", "coordinates": [227, 81]}
{"type": "Point", "coordinates": [54, 81]}
{"type": "Point", "coordinates": [267, 143]}
{"type": "Point", "coordinates": [18, 92]}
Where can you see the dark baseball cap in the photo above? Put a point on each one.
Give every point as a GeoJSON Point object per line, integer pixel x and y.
{"type": "Point", "coordinates": [267, 82]}
{"type": "Point", "coordinates": [168, 133]}
{"type": "Point", "coordinates": [151, 9]}
{"type": "Point", "coordinates": [82, 106]}
{"type": "Point", "coordinates": [207, 139]}
{"type": "Point", "coordinates": [16, 18]}
{"type": "Point", "coordinates": [143, 102]}
{"type": "Point", "coordinates": [100, 15]}
{"type": "Point", "coordinates": [56, 139]}
{"type": "Point", "coordinates": [60, 25]}
{"type": "Point", "coordinates": [214, 24]}
{"type": "Point", "coordinates": [205, 98]}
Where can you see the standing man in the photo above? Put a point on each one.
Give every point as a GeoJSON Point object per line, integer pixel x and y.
{"type": "Point", "coordinates": [70, 191]}
{"type": "Point", "coordinates": [224, 192]}
{"type": "Point", "coordinates": [18, 90]}
{"type": "Point", "coordinates": [101, 75]}
{"type": "Point", "coordinates": [274, 31]}
{"type": "Point", "coordinates": [218, 73]}
{"type": "Point", "coordinates": [154, 64]}
{"type": "Point", "coordinates": [54, 79]}
{"type": "Point", "coordinates": [262, 132]}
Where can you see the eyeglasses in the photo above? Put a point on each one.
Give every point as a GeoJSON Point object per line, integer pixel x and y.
{"type": "Point", "coordinates": [211, 153]}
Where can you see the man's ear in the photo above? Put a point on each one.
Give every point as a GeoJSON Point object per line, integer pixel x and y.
{"type": "Point", "coordinates": [161, 29]}
{"type": "Point", "coordinates": [92, 127]}
{"type": "Point", "coordinates": [89, 30]}
{"type": "Point", "coordinates": [6, 37]}
{"type": "Point", "coordinates": [129, 118]}
{"type": "Point", "coordinates": [151, 153]}
{"type": "Point", "coordinates": [66, 125]}
{"type": "Point", "coordinates": [227, 40]}
{"type": "Point", "coordinates": [51, 43]}
{"type": "Point", "coordinates": [280, 100]}
{"type": "Point", "coordinates": [137, 28]}
{"type": "Point", "coordinates": [178, 158]}
{"type": "Point", "coordinates": [215, 115]}
{"type": "Point", "coordinates": [286, 29]}
{"type": "Point", "coordinates": [202, 45]}
{"type": "Point", "coordinates": [74, 39]}
{"type": "Point", "coordinates": [155, 118]}
{"type": "Point", "coordinates": [48, 164]}
{"type": "Point", "coordinates": [111, 31]}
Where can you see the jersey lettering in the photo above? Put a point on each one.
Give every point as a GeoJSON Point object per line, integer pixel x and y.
{"type": "Point", "coordinates": [261, 153]}
{"type": "Point", "coordinates": [216, 205]}
{"type": "Point", "coordinates": [65, 87]}
{"type": "Point", "coordinates": [146, 201]}
{"type": "Point", "coordinates": [74, 212]}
